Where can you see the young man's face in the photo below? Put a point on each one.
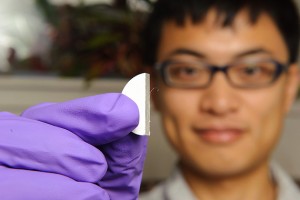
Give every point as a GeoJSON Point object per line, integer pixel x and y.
{"type": "Point", "coordinates": [222, 130]}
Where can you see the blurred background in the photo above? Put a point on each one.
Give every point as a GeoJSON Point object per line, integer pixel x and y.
{"type": "Point", "coordinates": [88, 39]}
{"type": "Point", "coordinates": [57, 50]}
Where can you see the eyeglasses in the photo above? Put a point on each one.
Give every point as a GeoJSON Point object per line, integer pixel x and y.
{"type": "Point", "coordinates": [183, 74]}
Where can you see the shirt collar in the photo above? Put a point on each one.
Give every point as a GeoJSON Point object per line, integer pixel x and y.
{"type": "Point", "coordinates": [176, 188]}
{"type": "Point", "coordinates": [287, 188]}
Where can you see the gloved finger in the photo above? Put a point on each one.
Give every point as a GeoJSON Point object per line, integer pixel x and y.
{"type": "Point", "coordinates": [125, 159]}
{"type": "Point", "coordinates": [34, 145]}
{"type": "Point", "coordinates": [98, 119]}
{"type": "Point", "coordinates": [18, 184]}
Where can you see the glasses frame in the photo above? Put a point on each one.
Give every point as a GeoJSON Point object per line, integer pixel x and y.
{"type": "Point", "coordinates": [161, 69]}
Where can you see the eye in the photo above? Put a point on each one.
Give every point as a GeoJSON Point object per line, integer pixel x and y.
{"type": "Point", "coordinates": [251, 70]}
{"type": "Point", "coordinates": [183, 70]}
{"type": "Point", "coordinates": [257, 69]}
{"type": "Point", "coordinates": [253, 73]}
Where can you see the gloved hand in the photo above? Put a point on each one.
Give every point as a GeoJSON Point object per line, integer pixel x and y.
{"type": "Point", "coordinates": [76, 150]}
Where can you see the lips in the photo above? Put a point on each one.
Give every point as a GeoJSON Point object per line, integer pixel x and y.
{"type": "Point", "coordinates": [219, 135]}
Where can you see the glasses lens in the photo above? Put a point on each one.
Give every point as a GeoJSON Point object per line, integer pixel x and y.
{"type": "Point", "coordinates": [187, 74]}
{"type": "Point", "coordinates": [252, 74]}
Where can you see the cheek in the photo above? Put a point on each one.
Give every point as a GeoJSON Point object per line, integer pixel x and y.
{"type": "Point", "coordinates": [266, 117]}
{"type": "Point", "coordinates": [178, 108]}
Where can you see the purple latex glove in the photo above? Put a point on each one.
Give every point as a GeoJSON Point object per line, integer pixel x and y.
{"type": "Point", "coordinates": [80, 150]}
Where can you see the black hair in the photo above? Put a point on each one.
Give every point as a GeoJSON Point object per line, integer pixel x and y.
{"type": "Point", "coordinates": [283, 12]}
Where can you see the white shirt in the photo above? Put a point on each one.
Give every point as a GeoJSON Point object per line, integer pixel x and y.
{"type": "Point", "coordinates": [176, 188]}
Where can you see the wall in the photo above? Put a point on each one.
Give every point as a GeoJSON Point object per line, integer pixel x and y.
{"type": "Point", "coordinates": [74, 2]}
{"type": "Point", "coordinates": [18, 93]}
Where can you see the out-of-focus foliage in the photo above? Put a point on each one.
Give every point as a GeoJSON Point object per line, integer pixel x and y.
{"type": "Point", "coordinates": [95, 40]}
{"type": "Point", "coordinates": [91, 41]}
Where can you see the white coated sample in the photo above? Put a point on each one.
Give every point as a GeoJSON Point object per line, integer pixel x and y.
{"type": "Point", "coordinates": [138, 89]}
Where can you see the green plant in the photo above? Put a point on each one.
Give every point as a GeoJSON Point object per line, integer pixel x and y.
{"type": "Point", "coordinates": [94, 41]}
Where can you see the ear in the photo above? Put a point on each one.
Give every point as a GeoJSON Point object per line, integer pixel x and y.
{"type": "Point", "coordinates": [292, 86]}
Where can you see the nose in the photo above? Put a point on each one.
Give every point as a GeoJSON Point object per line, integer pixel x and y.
{"type": "Point", "coordinates": [220, 98]}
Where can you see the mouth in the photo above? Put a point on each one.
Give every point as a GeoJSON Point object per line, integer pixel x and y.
{"type": "Point", "coordinates": [219, 135]}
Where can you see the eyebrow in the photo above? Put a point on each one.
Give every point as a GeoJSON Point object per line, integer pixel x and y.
{"type": "Point", "coordinates": [184, 51]}
{"type": "Point", "coordinates": [253, 52]}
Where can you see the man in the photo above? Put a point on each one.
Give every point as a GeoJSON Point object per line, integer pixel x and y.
{"type": "Point", "coordinates": [227, 76]}
{"type": "Point", "coordinates": [226, 72]}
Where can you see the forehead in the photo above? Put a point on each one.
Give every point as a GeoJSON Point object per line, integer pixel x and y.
{"type": "Point", "coordinates": [211, 38]}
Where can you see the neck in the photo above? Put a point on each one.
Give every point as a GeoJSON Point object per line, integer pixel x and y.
{"type": "Point", "coordinates": [255, 184]}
